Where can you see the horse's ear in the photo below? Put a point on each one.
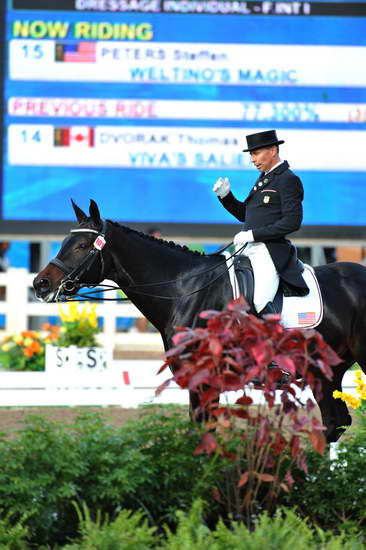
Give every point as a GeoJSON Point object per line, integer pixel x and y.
{"type": "Point", "coordinates": [80, 215]}
{"type": "Point", "coordinates": [94, 212]}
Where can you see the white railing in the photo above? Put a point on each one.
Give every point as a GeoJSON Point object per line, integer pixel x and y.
{"type": "Point", "coordinates": [20, 305]}
{"type": "Point", "coordinates": [125, 383]}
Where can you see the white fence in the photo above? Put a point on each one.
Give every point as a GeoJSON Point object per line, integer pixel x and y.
{"type": "Point", "coordinates": [20, 305]}
{"type": "Point", "coordinates": [127, 384]}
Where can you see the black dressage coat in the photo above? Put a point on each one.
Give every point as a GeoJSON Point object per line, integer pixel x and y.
{"type": "Point", "coordinates": [272, 210]}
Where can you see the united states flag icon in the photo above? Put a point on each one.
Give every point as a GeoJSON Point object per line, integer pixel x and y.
{"type": "Point", "coordinates": [306, 318]}
{"type": "Point", "coordinates": [83, 52]}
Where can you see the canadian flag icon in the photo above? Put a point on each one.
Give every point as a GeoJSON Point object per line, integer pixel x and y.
{"type": "Point", "coordinates": [73, 136]}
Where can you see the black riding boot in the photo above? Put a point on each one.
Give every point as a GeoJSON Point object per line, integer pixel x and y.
{"type": "Point", "coordinates": [268, 309]}
{"type": "Point", "coordinates": [285, 378]}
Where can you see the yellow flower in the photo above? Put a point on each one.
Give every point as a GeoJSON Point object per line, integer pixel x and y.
{"type": "Point", "coordinates": [70, 314]}
{"type": "Point", "coordinates": [74, 312]}
{"type": "Point", "coordinates": [92, 316]}
{"type": "Point", "coordinates": [79, 323]}
{"type": "Point", "coordinates": [18, 340]}
{"type": "Point", "coordinates": [84, 312]}
{"type": "Point", "coordinates": [347, 398]}
{"type": "Point", "coordinates": [28, 342]}
{"type": "Point", "coordinates": [353, 402]}
{"type": "Point", "coordinates": [88, 313]}
{"type": "Point", "coordinates": [360, 384]}
{"type": "Point", "coordinates": [6, 347]}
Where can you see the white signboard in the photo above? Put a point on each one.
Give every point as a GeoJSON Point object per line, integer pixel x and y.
{"type": "Point", "coordinates": [80, 367]}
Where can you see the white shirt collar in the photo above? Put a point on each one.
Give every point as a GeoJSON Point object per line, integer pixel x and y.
{"type": "Point", "coordinates": [273, 167]}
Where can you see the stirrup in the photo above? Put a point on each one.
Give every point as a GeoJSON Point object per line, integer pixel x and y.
{"type": "Point", "coordinates": [285, 376]}
{"type": "Point", "coordinates": [284, 380]}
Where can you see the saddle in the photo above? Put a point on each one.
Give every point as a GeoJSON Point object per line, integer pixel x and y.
{"type": "Point", "coordinates": [245, 278]}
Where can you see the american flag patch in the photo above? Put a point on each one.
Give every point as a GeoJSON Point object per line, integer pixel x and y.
{"type": "Point", "coordinates": [306, 318]}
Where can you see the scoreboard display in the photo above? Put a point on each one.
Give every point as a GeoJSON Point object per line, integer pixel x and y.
{"type": "Point", "coordinates": [143, 104]}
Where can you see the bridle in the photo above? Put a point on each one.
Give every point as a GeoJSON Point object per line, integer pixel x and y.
{"type": "Point", "coordinates": [72, 280]}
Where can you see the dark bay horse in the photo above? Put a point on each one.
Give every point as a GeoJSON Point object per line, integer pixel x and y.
{"type": "Point", "coordinates": [170, 285]}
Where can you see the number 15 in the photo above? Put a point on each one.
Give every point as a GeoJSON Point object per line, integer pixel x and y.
{"type": "Point", "coordinates": [33, 51]}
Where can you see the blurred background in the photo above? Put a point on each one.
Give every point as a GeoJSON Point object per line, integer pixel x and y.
{"type": "Point", "coordinates": [142, 104]}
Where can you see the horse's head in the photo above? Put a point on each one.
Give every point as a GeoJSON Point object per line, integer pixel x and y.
{"type": "Point", "coordinates": [80, 260]}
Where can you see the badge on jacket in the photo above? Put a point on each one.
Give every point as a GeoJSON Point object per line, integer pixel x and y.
{"type": "Point", "coordinates": [266, 199]}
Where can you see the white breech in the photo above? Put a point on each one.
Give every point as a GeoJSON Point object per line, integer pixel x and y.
{"type": "Point", "coordinates": [266, 278]}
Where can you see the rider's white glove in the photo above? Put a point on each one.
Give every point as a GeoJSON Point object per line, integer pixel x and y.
{"type": "Point", "coordinates": [222, 187]}
{"type": "Point", "coordinates": [242, 238]}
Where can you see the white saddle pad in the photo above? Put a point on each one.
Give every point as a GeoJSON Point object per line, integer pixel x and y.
{"type": "Point", "coordinates": [297, 311]}
{"type": "Point", "coordinates": [304, 311]}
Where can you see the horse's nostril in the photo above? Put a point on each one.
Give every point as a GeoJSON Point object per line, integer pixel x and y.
{"type": "Point", "coordinates": [43, 283]}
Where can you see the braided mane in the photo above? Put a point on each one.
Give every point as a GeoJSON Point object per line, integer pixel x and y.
{"type": "Point", "coordinates": [163, 242]}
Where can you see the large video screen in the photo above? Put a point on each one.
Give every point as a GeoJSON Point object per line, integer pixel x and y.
{"type": "Point", "coordinates": [143, 104]}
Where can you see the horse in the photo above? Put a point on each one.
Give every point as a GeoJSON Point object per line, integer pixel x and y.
{"type": "Point", "coordinates": [171, 285]}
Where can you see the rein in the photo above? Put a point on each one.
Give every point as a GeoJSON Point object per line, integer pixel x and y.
{"type": "Point", "coordinates": [72, 280]}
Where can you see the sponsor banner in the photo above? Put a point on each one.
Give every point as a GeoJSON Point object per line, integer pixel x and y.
{"type": "Point", "coordinates": [177, 148]}
{"type": "Point", "coordinates": [263, 111]}
{"type": "Point", "coordinates": [194, 63]}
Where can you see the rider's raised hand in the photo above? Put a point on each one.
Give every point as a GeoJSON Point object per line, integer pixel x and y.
{"type": "Point", "coordinates": [222, 187]}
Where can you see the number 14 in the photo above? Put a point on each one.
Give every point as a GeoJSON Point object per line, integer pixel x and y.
{"type": "Point", "coordinates": [27, 136]}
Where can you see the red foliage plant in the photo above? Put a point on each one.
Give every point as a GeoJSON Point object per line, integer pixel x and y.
{"type": "Point", "coordinates": [234, 349]}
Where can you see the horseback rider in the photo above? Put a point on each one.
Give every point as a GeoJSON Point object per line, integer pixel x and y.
{"type": "Point", "coordinates": [272, 209]}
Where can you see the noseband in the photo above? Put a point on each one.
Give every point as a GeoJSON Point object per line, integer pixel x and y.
{"type": "Point", "coordinates": [71, 282]}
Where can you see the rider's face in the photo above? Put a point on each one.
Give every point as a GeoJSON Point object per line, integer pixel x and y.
{"type": "Point", "coordinates": [265, 158]}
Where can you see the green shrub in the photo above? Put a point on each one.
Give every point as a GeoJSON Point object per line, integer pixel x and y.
{"type": "Point", "coordinates": [283, 531]}
{"type": "Point", "coordinates": [174, 476]}
{"type": "Point", "coordinates": [148, 467]}
{"type": "Point", "coordinates": [191, 532]}
{"type": "Point", "coordinates": [145, 465]}
{"type": "Point", "coordinates": [128, 531]}
{"type": "Point", "coordinates": [333, 493]}
{"type": "Point", "coordinates": [37, 476]}
{"type": "Point", "coordinates": [12, 537]}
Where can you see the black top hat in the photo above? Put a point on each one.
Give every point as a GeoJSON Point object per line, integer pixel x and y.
{"type": "Point", "coordinates": [262, 139]}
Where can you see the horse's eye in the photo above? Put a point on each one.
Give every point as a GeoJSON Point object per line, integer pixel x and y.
{"type": "Point", "coordinates": [82, 246]}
